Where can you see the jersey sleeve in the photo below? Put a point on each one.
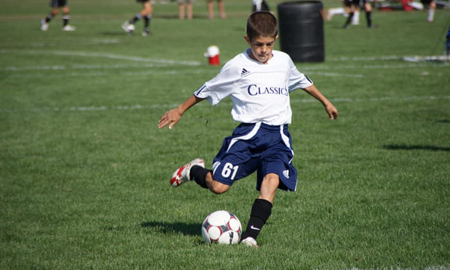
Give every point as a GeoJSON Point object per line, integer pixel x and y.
{"type": "Point", "coordinates": [220, 86]}
{"type": "Point", "coordinates": [297, 79]}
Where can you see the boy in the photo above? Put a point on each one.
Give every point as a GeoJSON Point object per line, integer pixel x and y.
{"type": "Point", "coordinates": [145, 13]}
{"type": "Point", "coordinates": [56, 4]}
{"type": "Point", "coordinates": [259, 81]}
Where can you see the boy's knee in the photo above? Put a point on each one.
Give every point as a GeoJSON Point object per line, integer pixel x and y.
{"type": "Point", "coordinates": [218, 188]}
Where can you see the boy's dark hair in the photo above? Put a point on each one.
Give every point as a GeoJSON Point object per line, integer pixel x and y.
{"type": "Point", "coordinates": [262, 23]}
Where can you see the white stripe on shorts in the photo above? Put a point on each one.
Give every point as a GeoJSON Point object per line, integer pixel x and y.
{"type": "Point", "coordinates": [286, 142]}
{"type": "Point", "coordinates": [245, 137]}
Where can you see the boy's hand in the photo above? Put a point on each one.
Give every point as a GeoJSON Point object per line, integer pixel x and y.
{"type": "Point", "coordinates": [332, 111]}
{"type": "Point", "coordinates": [173, 116]}
{"type": "Point", "coordinates": [170, 117]}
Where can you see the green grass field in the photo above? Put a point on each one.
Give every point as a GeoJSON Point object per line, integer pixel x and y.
{"type": "Point", "coordinates": [85, 171]}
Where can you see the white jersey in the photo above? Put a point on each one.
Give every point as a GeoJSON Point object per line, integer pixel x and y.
{"type": "Point", "coordinates": [260, 92]}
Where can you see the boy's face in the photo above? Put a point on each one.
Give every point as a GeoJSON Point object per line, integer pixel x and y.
{"type": "Point", "coordinates": [261, 47]}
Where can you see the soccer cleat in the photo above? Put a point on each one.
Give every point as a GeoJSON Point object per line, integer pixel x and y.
{"type": "Point", "coordinates": [182, 174]}
{"type": "Point", "coordinates": [128, 27]}
{"type": "Point", "coordinates": [146, 32]}
{"type": "Point", "coordinates": [250, 242]}
{"type": "Point", "coordinates": [44, 25]}
{"type": "Point", "coordinates": [69, 28]}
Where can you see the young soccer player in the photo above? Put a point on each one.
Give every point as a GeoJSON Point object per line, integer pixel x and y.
{"type": "Point", "coordinates": [56, 5]}
{"type": "Point", "coordinates": [259, 82]}
{"type": "Point", "coordinates": [353, 6]}
{"type": "Point", "coordinates": [145, 13]}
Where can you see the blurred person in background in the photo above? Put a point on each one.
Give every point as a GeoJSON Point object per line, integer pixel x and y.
{"type": "Point", "coordinates": [56, 5]}
{"type": "Point", "coordinates": [189, 9]}
{"type": "Point", "coordinates": [145, 14]}
{"type": "Point", "coordinates": [221, 6]}
{"type": "Point", "coordinates": [344, 11]}
{"type": "Point", "coordinates": [354, 5]}
{"type": "Point", "coordinates": [430, 5]}
{"type": "Point", "coordinates": [260, 5]}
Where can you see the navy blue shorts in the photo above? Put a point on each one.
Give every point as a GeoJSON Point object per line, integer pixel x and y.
{"type": "Point", "coordinates": [58, 3]}
{"type": "Point", "coordinates": [256, 147]}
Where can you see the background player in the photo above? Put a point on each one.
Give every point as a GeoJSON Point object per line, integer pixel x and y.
{"type": "Point", "coordinates": [354, 6]}
{"type": "Point", "coordinates": [260, 5]}
{"type": "Point", "coordinates": [259, 81]}
{"type": "Point", "coordinates": [220, 5]}
{"type": "Point", "coordinates": [56, 5]}
{"type": "Point", "coordinates": [189, 9]}
{"type": "Point", "coordinates": [430, 5]}
{"type": "Point", "coordinates": [145, 14]}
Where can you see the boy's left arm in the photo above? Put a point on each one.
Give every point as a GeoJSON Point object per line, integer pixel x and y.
{"type": "Point", "coordinates": [329, 107]}
{"type": "Point", "coordinates": [173, 116]}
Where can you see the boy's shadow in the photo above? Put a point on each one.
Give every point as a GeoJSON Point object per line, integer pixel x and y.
{"type": "Point", "coordinates": [177, 227]}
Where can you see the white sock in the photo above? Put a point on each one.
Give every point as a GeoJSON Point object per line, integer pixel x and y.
{"type": "Point", "coordinates": [430, 15]}
{"type": "Point", "coordinates": [335, 11]}
{"type": "Point", "coordinates": [355, 19]}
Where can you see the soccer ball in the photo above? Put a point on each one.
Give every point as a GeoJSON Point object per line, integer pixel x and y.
{"type": "Point", "coordinates": [221, 227]}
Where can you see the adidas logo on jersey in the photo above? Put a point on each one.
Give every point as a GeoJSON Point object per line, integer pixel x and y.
{"type": "Point", "coordinates": [244, 72]}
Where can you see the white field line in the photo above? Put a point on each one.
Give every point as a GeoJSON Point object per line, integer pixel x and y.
{"type": "Point", "coordinates": [366, 58]}
{"type": "Point", "coordinates": [166, 62]}
{"type": "Point", "coordinates": [97, 74]}
{"type": "Point", "coordinates": [105, 55]}
{"type": "Point", "coordinates": [152, 65]}
{"type": "Point", "coordinates": [336, 74]}
{"type": "Point", "coordinates": [401, 65]}
{"type": "Point", "coordinates": [165, 106]}
{"type": "Point", "coordinates": [308, 70]}
{"type": "Point", "coordinates": [82, 67]}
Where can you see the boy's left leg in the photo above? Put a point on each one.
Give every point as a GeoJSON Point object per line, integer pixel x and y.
{"type": "Point", "coordinates": [221, 5]}
{"type": "Point", "coordinates": [261, 209]}
{"type": "Point", "coordinates": [195, 170]}
{"type": "Point", "coordinates": [431, 9]}
{"type": "Point", "coordinates": [368, 9]}
{"type": "Point", "coordinates": [66, 18]}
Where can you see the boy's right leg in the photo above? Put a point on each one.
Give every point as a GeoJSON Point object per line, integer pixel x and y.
{"type": "Point", "coordinates": [181, 11]}
{"type": "Point", "coordinates": [210, 6]}
{"type": "Point", "coordinates": [261, 209]}
{"type": "Point", "coordinates": [48, 18]}
{"type": "Point", "coordinates": [349, 20]}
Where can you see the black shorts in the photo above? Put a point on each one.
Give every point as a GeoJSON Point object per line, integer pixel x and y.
{"type": "Point", "coordinates": [355, 3]}
{"type": "Point", "coordinates": [58, 3]}
{"type": "Point", "coordinates": [426, 2]}
{"type": "Point", "coordinates": [142, 1]}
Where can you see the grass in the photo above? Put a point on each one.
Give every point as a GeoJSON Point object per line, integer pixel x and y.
{"type": "Point", "coordinates": [84, 169]}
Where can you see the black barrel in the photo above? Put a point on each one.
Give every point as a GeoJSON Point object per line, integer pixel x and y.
{"type": "Point", "coordinates": [301, 30]}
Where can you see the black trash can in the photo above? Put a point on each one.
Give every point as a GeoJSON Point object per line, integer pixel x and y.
{"type": "Point", "coordinates": [301, 30]}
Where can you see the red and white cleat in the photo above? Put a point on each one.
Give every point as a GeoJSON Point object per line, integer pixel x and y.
{"type": "Point", "coordinates": [182, 174]}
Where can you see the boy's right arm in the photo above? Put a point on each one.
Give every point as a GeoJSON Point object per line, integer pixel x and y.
{"type": "Point", "coordinates": [173, 116]}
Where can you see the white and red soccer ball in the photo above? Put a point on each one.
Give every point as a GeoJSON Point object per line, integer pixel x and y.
{"type": "Point", "coordinates": [222, 227]}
